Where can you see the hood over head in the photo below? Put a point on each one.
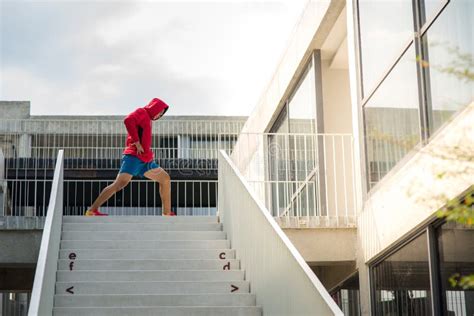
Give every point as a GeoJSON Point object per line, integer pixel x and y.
{"type": "Point", "coordinates": [155, 106]}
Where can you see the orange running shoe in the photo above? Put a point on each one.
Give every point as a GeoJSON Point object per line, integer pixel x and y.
{"type": "Point", "coordinates": [95, 213]}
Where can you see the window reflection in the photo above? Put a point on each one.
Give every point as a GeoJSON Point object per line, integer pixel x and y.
{"type": "Point", "coordinates": [391, 118]}
{"type": "Point", "coordinates": [385, 28]}
{"type": "Point", "coordinates": [402, 284]}
{"type": "Point", "coordinates": [449, 63]}
{"type": "Point", "coordinates": [293, 157]}
{"type": "Point", "coordinates": [456, 255]}
{"type": "Point", "coordinates": [430, 8]}
{"type": "Point", "coordinates": [302, 104]}
{"type": "Point", "coordinates": [347, 296]}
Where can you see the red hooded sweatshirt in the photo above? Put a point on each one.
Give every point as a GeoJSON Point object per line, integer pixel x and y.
{"type": "Point", "coordinates": [139, 126]}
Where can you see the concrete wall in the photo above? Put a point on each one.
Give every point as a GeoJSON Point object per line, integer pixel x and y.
{"type": "Point", "coordinates": [94, 126]}
{"type": "Point", "coordinates": [14, 109]}
{"type": "Point", "coordinates": [19, 247]}
{"type": "Point", "coordinates": [323, 245]}
{"type": "Point", "coordinates": [336, 100]}
{"type": "Point", "coordinates": [333, 275]}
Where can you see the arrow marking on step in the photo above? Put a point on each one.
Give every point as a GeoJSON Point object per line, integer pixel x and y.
{"type": "Point", "coordinates": [234, 288]}
{"type": "Point", "coordinates": [69, 290]}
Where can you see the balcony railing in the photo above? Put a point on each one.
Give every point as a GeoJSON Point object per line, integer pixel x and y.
{"type": "Point", "coordinates": [98, 144]}
{"type": "Point", "coordinates": [30, 199]}
{"type": "Point", "coordinates": [305, 180]}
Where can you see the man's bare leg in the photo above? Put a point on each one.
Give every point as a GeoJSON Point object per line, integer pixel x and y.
{"type": "Point", "coordinates": [162, 177]}
{"type": "Point", "coordinates": [120, 182]}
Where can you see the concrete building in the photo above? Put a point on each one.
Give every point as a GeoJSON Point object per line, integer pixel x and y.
{"type": "Point", "coordinates": [397, 77]}
{"type": "Point", "coordinates": [363, 133]}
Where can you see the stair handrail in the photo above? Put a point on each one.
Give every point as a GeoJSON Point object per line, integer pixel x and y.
{"type": "Point", "coordinates": [42, 296]}
{"type": "Point", "coordinates": [282, 281]}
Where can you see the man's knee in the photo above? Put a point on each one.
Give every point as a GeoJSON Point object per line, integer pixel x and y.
{"type": "Point", "coordinates": [162, 176]}
{"type": "Point", "coordinates": [165, 177]}
{"type": "Point", "coordinates": [119, 184]}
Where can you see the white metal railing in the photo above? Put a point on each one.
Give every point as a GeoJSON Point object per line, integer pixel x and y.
{"type": "Point", "coordinates": [92, 144]}
{"type": "Point", "coordinates": [281, 279]}
{"type": "Point", "coordinates": [305, 180]}
{"type": "Point", "coordinates": [29, 197]}
{"type": "Point", "coordinates": [2, 165]}
{"type": "Point", "coordinates": [3, 187]}
{"type": "Point", "coordinates": [42, 296]}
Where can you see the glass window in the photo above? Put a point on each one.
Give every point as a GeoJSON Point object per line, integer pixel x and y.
{"type": "Point", "coordinates": [401, 281]}
{"type": "Point", "coordinates": [347, 296]}
{"type": "Point", "coordinates": [302, 113]}
{"type": "Point", "coordinates": [302, 104]}
{"type": "Point", "coordinates": [430, 7]}
{"type": "Point", "coordinates": [456, 256]}
{"type": "Point", "coordinates": [385, 28]}
{"type": "Point", "coordinates": [391, 118]}
{"type": "Point", "coordinates": [448, 61]}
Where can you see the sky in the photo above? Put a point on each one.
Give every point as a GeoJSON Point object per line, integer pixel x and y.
{"type": "Point", "coordinates": [110, 57]}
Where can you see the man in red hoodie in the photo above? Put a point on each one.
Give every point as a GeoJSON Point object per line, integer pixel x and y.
{"type": "Point", "coordinates": [137, 158]}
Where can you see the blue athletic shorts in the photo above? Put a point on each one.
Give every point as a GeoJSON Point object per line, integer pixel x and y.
{"type": "Point", "coordinates": [134, 166]}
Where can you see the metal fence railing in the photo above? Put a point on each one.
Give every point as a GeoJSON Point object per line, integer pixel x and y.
{"type": "Point", "coordinates": [305, 180]}
{"type": "Point", "coordinates": [29, 147]}
{"type": "Point", "coordinates": [98, 144]}
{"type": "Point", "coordinates": [30, 198]}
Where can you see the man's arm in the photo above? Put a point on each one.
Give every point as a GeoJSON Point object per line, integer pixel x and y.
{"type": "Point", "coordinates": [131, 124]}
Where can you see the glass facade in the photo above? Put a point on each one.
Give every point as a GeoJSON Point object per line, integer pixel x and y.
{"type": "Point", "coordinates": [448, 62]}
{"type": "Point", "coordinates": [302, 104]}
{"type": "Point", "coordinates": [429, 8]}
{"type": "Point", "coordinates": [416, 72]}
{"type": "Point", "coordinates": [418, 276]}
{"type": "Point", "coordinates": [456, 257]}
{"type": "Point", "coordinates": [293, 157]}
{"type": "Point", "coordinates": [347, 296]}
{"type": "Point", "coordinates": [14, 303]}
{"type": "Point", "coordinates": [392, 125]}
{"type": "Point", "coordinates": [402, 282]}
{"type": "Point", "coordinates": [382, 36]}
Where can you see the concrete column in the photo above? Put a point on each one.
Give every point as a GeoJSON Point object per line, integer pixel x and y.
{"type": "Point", "coordinates": [2, 183]}
{"type": "Point", "coordinates": [24, 146]}
{"type": "Point", "coordinates": [184, 146]}
{"type": "Point", "coordinates": [364, 279]}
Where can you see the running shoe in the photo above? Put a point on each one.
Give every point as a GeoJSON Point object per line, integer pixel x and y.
{"type": "Point", "coordinates": [95, 213]}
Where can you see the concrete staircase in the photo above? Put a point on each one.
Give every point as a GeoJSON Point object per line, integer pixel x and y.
{"type": "Point", "coordinates": [149, 265]}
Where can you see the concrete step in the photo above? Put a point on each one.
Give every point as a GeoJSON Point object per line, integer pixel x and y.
{"type": "Point", "coordinates": [142, 226]}
{"type": "Point", "coordinates": [148, 300]}
{"type": "Point", "coordinates": [144, 254]}
{"type": "Point", "coordinates": [99, 288]}
{"type": "Point", "coordinates": [139, 219]}
{"type": "Point", "coordinates": [141, 235]}
{"type": "Point", "coordinates": [145, 244]}
{"type": "Point", "coordinates": [151, 275]}
{"type": "Point", "coordinates": [153, 311]}
{"type": "Point", "coordinates": [177, 264]}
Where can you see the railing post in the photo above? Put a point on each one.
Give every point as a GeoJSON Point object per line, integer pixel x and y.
{"type": "Point", "coordinates": [3, 187]}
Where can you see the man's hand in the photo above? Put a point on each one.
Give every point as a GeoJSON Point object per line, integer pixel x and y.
{"type": "Point", "coordinates": [139, 148]}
